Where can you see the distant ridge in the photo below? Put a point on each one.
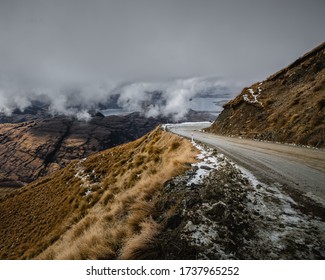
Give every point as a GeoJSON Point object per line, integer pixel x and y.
{"type": "Point", "coordinates": [35, 148]}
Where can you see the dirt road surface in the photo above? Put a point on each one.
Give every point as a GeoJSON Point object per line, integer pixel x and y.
{"type": "Point", "coordinates": [296, 168]}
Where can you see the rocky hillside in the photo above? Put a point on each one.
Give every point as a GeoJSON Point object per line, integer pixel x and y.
{"type": "Point", "coordinates": [159, 197]}
{"type": "Point", "coordinates": [289, 106]}
{"type": "Point", "coordinates": [36, 148]}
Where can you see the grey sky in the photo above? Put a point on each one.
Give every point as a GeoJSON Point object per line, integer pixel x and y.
{"type": "Point", "coordinates": [52, 42]}
{"type": "Point", "coordinates": [144, 40]}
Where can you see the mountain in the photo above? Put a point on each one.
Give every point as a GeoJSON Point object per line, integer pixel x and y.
{"type": "Point", "coordinates": [288, 107]}
{"type": "Point", "coordinates": [37, 110]}
{"type": "Point", "coordinates": [38, 147]}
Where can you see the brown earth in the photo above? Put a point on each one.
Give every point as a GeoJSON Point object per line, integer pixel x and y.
{"type": "Point", "coordinates": [29, 150]}
{"type": "Point", "coordinates": [288, 107]}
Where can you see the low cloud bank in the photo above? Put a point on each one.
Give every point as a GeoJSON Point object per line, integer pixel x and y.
{"type": "Point", "coordinates": [153, 99]}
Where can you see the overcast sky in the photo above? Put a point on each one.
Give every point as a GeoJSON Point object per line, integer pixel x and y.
{"type": "Point", "coordinates": [63, 41]}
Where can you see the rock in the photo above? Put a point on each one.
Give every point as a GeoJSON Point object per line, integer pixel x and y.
{"type": "Point", "coordinates": [218, 211]}
{"type": "Point", "coordinates": [174, 221]}
{"type": "Point", "coordinates": [191, 201]}
{"type": "Point", "coordinates": [205, 167]}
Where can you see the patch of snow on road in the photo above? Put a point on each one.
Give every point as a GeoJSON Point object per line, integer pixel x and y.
{"type": "Point", "coordinates": [281, 218]}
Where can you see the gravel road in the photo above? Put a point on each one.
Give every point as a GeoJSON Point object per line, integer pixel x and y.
{"type": "Point", "coordinates": [302, 169]}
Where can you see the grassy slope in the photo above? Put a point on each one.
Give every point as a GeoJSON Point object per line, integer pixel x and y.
{"type": "Point", "coordinates": [291, 105]}
{"type": "Point", "coordinates": [95, 208]}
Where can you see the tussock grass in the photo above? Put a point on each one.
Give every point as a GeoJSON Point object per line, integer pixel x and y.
{"type": "Point", "coordinates": [143, 245]}
{"type": "Point", "coordinates": [97, 208]}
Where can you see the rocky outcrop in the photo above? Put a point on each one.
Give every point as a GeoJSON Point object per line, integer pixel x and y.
{"type": "Point", "coordinates": [36, 148]}
{"type": "Point", "coordinates": [287, 107]}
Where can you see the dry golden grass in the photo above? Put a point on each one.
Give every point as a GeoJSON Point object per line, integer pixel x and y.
{"type": "Point", "coordinates": [98, 208]}
{"type": "Point", "coordinates": [6, 191]}
{"type": "Point", "coordinates": [142, 245]}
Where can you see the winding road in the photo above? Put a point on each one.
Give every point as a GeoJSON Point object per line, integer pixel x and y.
{"type": "Point", "coordinates": [296, 167]}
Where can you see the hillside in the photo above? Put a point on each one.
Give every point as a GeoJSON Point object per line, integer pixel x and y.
{"type": "Point", "coordinates": [29, 150]}
{"type": "Point", "coordinates": [159, 197]}
{"type": "Point", "coordinates": [93, 207]}
{"type": "Point", "coordinates": [288, 107]}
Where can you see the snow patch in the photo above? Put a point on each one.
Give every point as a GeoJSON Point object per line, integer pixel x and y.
{"type": "Point", "coordinates": [208, 162]}
{"type": "Point", "coordinates": [273, 205]}
{"type": "Point", "coordinates": [88, 192]}
{"type": "Point", "coordinates": [252, 97]}
{"type": "Point", "coordinates": [85, 178]}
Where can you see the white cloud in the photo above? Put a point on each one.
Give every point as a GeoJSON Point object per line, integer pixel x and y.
{"type": "Point", "coordinates": [170, 98]}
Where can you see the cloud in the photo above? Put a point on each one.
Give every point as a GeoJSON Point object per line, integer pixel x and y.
{"type": "Point", "coordinates": [169, 98]}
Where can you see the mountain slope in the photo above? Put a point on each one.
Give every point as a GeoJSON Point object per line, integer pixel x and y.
{"type": "Point", "coordinates": [287, 107]}
{"type": "Point", "coordinates": [29, 150]}
{"type": "Point", "coordinates": [93, 207]}
{"type": "Point", "coordinates": [160, 197]}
